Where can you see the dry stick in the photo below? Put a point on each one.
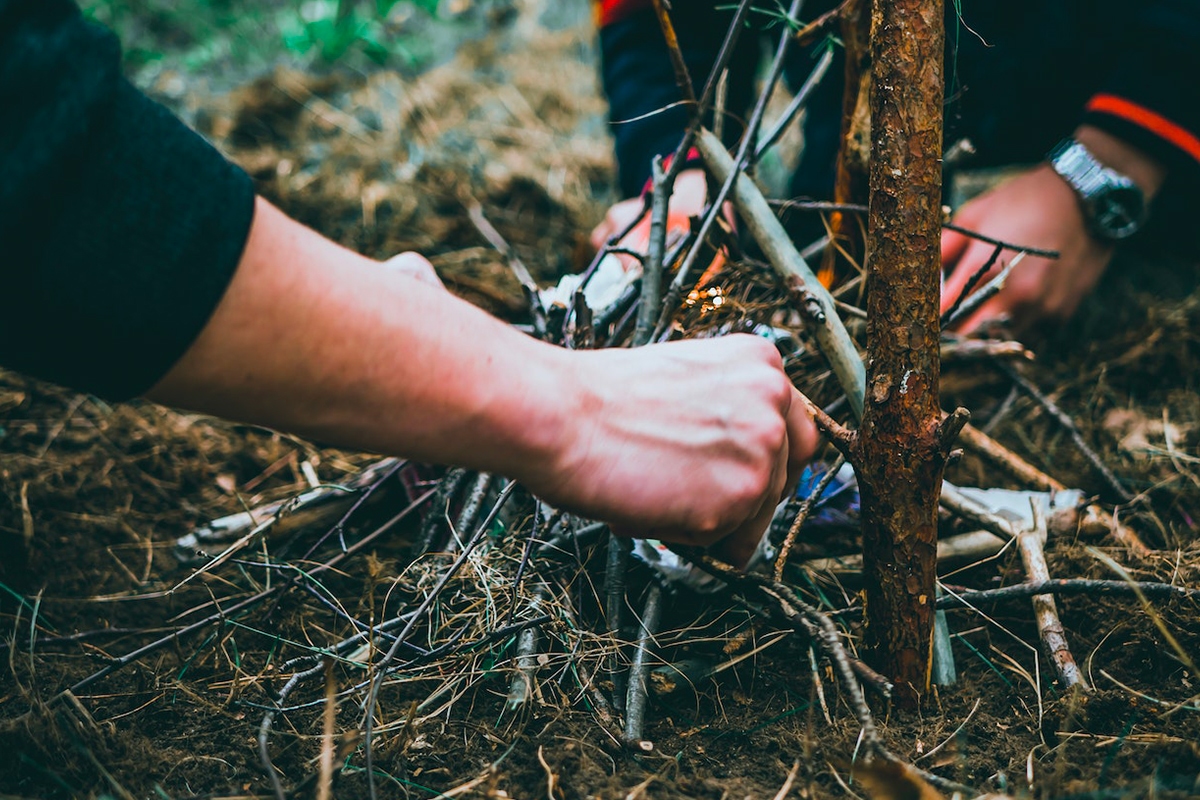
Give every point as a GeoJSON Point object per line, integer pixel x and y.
{"type": "Point", "coordinates": [519, 270]}
{"type": "Point", "coordinates": [293, 513]}
{"type": "Point", "coordinates": [985, 293]}
{"type": "Point", "coordinates": [471, 509]}
{"type": "Point", "coordinates": [1092, 515]}
{"type": "Point", "coordinates": [635, 701]}
{"type": "Point", "coordinates": [248, 602]}
{"type": "Point", "coordinates": [1050, 626]}
{"type": "Point", "coordinates": [527, 553]}
{"type": "Point", "coordinates": [745, 151]}
{"type": "Point", "coordinates": [609, 247]}
{"type": "Point", "coordinates": [831, 335]}
{"type": "Point", "coordinates": [1064, 586]}
{"type": "Point", "coordinates": [1033, 251]}
{"type": "Point", "coordinates": [652, 273]}
{"type": "Point", "coordinates": [663, 186]}
{"type": "Point", "coordinates": [384, 470]}
{"type": "Point", "coordinates": [381, 667]}
{"type": "Point", "coordinates": [1029, 542]}
{"type": "Point", "coordinates": [328, 720]}
{"type": "Point", "coordinates": [983, 349]}
{"type": "Point", "coordinates": [965, 548]}
{"type": "Point", "coordinates": [521, 687]}
{"type": "Point", "coordinates": [768, 140]}
{"type": "Point", "coordinates": [975, 278]}
{"type": "Point", "coordinates": [614, 607]}
{"type": "Point", "coordinates": [583, 334]}
{"type": "Point", "coordinates": [825, 205]}
{"type": "Point", "coordinates": [447, 489]}
{"type": "Point", "coordinates": [785, 549]}
{"type": "Point", "coordinates": [1069, 424]}
{"type": "Point", "coordinates": [682, 79]}
{"type": "Point", "coordinates": [264, 731]}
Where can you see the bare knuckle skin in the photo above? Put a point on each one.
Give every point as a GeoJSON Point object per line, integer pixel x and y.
{"type": "Point", "coordinates": [707, 528]}
{"type": "Point", "coordinates": [746, 497]}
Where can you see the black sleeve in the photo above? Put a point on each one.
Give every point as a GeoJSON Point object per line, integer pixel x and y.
{"type": "Point", "coordinates": [639, 80]}
{"type": "Point", "coordinates": [120, 228]}
{"type": "Point", "coordinates": [1149, 98]}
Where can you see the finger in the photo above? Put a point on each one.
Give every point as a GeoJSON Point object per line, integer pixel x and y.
{"type": "Point", "coordinates": [993, 312]}
{"type": "Point", "coordinates": [803, 441]}
{"type": "Point", "coordinates": [617, 219]}
{"type": "Point", "coordinates": [954, 244]}
{"type": "Point", "coordinates": [601, 233]}
{"type": "Point", "coordinates": [738, 548]}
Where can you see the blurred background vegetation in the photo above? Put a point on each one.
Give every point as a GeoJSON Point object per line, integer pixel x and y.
{"type": "Point", "coordinates": [231, 40]}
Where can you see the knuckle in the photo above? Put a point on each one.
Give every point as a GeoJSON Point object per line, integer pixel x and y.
{"type": "Point", "coordinates": [707, 528]}
{"type": "Point", "coordinates": [746, 495]}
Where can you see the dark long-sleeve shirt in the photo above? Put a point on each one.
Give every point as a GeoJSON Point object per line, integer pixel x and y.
{"type": "Point", "coordinates": [1022, 74]}
{"type": "Point", "coordinates": [120, 228]}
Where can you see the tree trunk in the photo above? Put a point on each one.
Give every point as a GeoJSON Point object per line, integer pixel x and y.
{"type": "Point", "coordinates": [901, 453]}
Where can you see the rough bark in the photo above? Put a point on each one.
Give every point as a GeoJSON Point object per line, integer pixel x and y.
{"type": "Point", "coordinates": [901, 454]}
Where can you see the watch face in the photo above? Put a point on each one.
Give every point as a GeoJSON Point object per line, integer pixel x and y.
{"type": "Point", "coordinates": [1118, 212]}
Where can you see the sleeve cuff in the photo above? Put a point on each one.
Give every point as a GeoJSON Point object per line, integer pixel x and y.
{"type": "Point", "coordinates": [1145, 129]}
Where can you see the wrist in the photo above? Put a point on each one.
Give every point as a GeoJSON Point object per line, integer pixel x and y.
{"type": "Point", "coordinates": [532, 415]}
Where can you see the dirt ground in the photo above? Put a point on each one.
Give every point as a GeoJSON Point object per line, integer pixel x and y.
{"type": "Point", "coordinates": [93, 497]}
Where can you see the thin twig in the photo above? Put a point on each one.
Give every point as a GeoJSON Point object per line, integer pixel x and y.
{"type": "Point", "coordinates": [614, 589]}
{"type": "Point", "coordinates": [975, 278]}
{"type": "Point", "coordinates": [768, 141]}
{"type": "Point", "coordinates": [1064, 587]}
{"type": "Point", "coordinates": [652, 274]}
{"type": "Point", "coordinates": [635, 702]}
{"type": "Point", "coordinates": [789, 541]}
{"type": "Point", "coordinates": [1033, 251]}
{"type": "Point", "coordinates": [985, 293]}
{"type": "Point", "coordinates": [519, 270]}
{"type": "Point", "coordinates": [682, 79]}
{"type": "Point", "coordinates": [1050, 626]}
{"type": "Point", "coordinates": [1063, 419]}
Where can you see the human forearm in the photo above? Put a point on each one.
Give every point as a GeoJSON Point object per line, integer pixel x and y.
{"type": "Point", "coordinates": [329, 344]}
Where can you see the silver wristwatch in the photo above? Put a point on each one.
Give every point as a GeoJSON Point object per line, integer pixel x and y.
{"type": "Point", "coordinates": [1113, 205]}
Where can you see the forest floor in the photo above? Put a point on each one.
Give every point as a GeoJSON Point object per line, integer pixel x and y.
{"type": "Point", "coordinates": [94, 496]}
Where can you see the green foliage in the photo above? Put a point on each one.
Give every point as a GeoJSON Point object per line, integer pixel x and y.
{"type": "Point", "coordinates": [199, 34]}
{"type": "Point", "coordinates": [333, 28]}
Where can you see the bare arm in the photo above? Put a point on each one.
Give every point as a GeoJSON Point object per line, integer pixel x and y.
{"type": "Point", "coordinates": [694, 441]}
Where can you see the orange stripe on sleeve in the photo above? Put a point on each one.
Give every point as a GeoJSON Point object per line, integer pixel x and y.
{"type": "Point", "coordinates": [608, 11]}
{"type": "Point", "coordinates": [1152, 121]}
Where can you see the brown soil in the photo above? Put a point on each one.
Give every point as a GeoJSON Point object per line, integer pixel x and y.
{"type": "Point", "coordinates": [93, 496]}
